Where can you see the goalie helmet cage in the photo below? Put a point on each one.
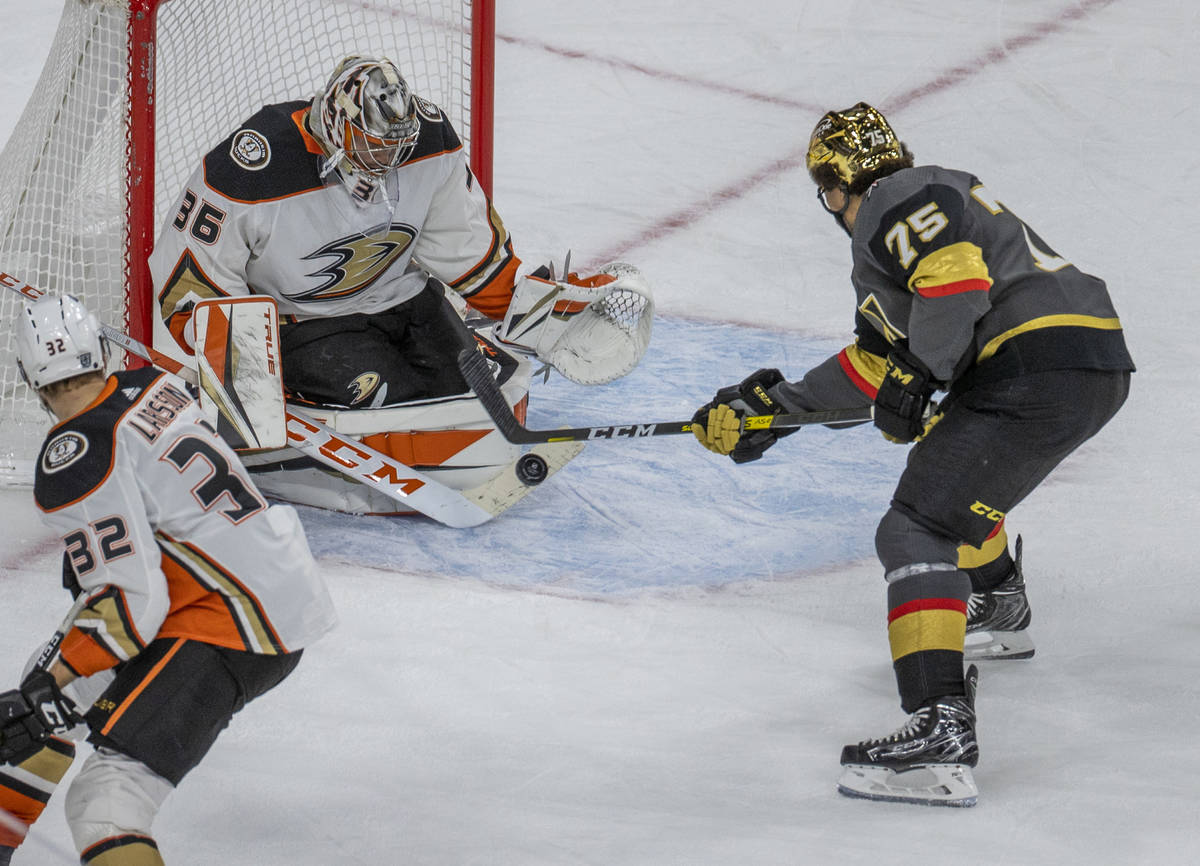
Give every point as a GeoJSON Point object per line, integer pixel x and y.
{"type": "Point", "coordinates": [134, 92]}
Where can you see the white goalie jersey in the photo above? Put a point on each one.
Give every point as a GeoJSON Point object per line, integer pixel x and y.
{"type": "Point", "coordinates": [166, 534]}
{"type": "Point", "coordinates": [257, 216]}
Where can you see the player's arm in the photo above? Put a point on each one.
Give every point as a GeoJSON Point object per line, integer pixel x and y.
{"type": "Point", "coordinates": [463, 242]}
{"type": "Point", "coordinates": [117, 562]}
{"type": "Point", "coordinates": [201, 254]}
{"type": "Point", "coordinates": [848, 379]}
{"type": "Point", "coordinates": [928, 244]}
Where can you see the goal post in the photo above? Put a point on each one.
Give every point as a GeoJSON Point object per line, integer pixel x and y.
{"type": "Point", "coordinates": [134, 92]}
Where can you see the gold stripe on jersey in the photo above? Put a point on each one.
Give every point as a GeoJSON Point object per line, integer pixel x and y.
{"type": "Point", "coordinates": [249, 629]}
{"type": "Point", "coordinates": [865, 366]}
{"type": "Point", "coordinates": [187, 284]}
{"type": "Point", "coordinates": [102, 635]}
{"type": "Point", "coordinates": [955, 268]}
{"type": "Point", "coordinates": [494, 274]}
{"type": "Point", "coordinates": [50, 763]}
{"type": "Point", "coordinates": [1064, 320]}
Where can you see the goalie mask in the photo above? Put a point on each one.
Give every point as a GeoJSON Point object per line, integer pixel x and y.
{"type": "Point", "coordinates": [366, 116]}
{"type": "Point", "coordinates": [57, 339]}
{"type": "Point", "coordinates": [848, 147]}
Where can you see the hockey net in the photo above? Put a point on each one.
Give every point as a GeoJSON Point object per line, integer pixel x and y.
{"type": "Point", "coordinates": [135, 91]}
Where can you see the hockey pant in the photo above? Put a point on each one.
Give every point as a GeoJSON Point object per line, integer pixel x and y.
{"type": "Point", "coordinates": [994, 445]}
{"type": "Point", "coordinates": [368, 361]}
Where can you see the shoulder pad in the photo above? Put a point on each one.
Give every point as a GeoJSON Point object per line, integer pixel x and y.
{"type": "Point", "coordinates": [437, 134]}
{"type": "Point", "coordinates": [77, 455]}
{"type": "Point", "coordinates": [266, 158]}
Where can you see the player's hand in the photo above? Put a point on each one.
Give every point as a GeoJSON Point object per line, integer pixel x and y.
{"type": "Point", "coordinates": [717, 425]}
{"type": "Point", "coordinates": [17, 742]}
{"type": "Point", "coordinates": [52, 711]}
{"type": "Point", "coordinates": [902, 403]}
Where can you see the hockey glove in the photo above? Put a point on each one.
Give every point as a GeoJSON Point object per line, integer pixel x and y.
{"type": "Point", "coordinates": [32, 713]}
{"type": "Point", "coordinates": [902, 404]}
{"type": "Point", "coordinates": [717, 425]}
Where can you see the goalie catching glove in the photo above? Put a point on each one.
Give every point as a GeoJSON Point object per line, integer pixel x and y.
{"type": "Point", "coordinates": [717, 425]}
{"type": "Point", "coordinates": [591, 329]}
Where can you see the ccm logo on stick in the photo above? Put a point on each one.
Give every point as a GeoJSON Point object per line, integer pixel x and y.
{"type": "Point", "coordinates": [630, 431]}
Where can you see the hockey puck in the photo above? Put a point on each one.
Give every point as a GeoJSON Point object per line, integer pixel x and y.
{"type": "Point", "coordinates": [532, 469]}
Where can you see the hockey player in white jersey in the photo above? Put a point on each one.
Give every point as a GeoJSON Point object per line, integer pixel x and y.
{"type": "Point", "coordinates": [193, 596]}
{"type": "Point", "coordinates": [357, 211]}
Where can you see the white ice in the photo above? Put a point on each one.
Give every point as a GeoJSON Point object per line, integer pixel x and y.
{"type": "Point", "coordinates": [656, 658]}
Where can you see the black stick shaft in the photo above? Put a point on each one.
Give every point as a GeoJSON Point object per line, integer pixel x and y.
{"type": "Point", "coordinates": [475, 370]}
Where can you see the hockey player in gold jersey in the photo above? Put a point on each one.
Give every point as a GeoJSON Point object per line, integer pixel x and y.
{"type": "Point", "coordinates": [954, 294]}
{"type": "Point", "coordinates": [194, 595]}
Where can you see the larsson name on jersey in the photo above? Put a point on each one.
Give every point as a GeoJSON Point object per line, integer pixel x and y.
{"type": "Point", "coordinates": [163, 406]}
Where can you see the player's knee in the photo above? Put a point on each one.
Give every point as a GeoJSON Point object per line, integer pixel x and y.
{"type": "Point", "coordinates": [900, 541]}
{"type": "Point", "coordinates": [114, 799]}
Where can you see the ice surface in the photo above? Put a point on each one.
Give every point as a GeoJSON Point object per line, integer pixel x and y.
{"type": "Point", "coordinates": [656, 658]}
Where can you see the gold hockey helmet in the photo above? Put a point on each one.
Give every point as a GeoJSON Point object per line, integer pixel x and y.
{"type": "Point", "coordinates": [847, 144]}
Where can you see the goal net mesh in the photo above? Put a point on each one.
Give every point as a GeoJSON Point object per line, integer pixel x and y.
{"type": "Point", "coordinates": [66, 172]}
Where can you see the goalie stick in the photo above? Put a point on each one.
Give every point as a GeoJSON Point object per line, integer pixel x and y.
{"type": "Point", "coordinates": [474, 368]}
{"type": "Point", "coordinates": [457, 508]}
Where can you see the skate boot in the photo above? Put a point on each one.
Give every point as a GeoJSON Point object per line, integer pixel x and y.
{"type": "Point", "coordinates": [997, 619]}
{"type": "Point", "coordinates": [928, 761]}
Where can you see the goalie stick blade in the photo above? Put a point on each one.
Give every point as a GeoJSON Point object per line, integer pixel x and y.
{"type": "Point", "coordinates": [510, 487]}
{"type": "Point", "coordinates": [930, 785]}
{"type": "Point", "coordinates": [475, 370]}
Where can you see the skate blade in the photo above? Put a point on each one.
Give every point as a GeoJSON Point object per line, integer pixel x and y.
{"type": "Point", "coordinates": [983, 645]}
{"type": "Point", "coordinates": [930, 785]}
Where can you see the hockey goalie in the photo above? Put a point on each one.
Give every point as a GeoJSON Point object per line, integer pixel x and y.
{"type": "Point", "coordinates": [357, 213]}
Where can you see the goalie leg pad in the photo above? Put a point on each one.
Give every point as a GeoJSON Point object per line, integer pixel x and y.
{"type": "Point", "coordinates": [239, 371]}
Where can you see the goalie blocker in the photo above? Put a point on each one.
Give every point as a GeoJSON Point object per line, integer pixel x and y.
{"type": "Point", "coordinates": [591, 329]}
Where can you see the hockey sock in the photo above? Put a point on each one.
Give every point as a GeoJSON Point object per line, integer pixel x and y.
{"type": "Point", "coordinates": [927, 624]}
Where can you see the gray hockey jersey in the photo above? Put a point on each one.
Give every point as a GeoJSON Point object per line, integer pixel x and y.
{"type": "Point", "coordinates": [941, 267]}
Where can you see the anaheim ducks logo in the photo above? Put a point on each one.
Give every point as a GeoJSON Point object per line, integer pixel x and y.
{"type": "Point", "coordinates": [362, 387]}
{"type": "Point", "coordinates": [358, 261]}
{"type": "Point", "coordinates": [63, 450]}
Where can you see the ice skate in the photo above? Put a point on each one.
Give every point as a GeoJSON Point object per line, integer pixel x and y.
{"type": "Point", "coordinates": [928, 761]}
{"type": "Point", "coordinates": [997, 619]}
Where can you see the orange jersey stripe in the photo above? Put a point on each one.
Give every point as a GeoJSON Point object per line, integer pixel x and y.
{"type": "Point", "coordinates": [493, 299]}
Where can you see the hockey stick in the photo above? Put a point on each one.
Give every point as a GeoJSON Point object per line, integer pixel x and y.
{"type": "Point", "coordinates": [474, 368]}
{"type": "Point", "coordinates": [456, 508]}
